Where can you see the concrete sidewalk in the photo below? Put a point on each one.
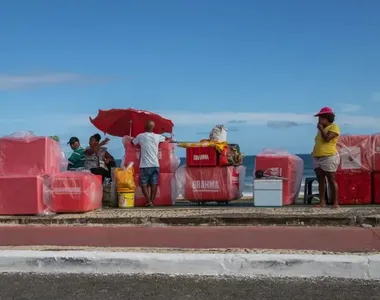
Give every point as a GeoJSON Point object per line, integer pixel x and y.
{"type": "Point", "coordinates": [238, 265]}
{"type": "Point", "coordinates": [235, 214]}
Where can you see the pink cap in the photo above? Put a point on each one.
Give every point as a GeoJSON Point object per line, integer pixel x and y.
{"type": "Point", "coordinates": [324, 110]}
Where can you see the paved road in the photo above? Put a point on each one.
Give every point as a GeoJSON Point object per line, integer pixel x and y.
{"type": "Point", "coordinates": [85, 287]}
{"type": "Point", "coordinates": [348, 239]}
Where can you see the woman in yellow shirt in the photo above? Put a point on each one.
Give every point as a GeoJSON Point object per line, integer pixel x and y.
{"type": "Point", "coordinates": [325, 155]}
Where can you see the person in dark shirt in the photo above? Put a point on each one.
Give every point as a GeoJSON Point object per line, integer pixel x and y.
{"type": "Point", "coordinates": [97, 158]}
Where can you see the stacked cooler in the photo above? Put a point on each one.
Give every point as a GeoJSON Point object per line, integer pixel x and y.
{"type": "Point", "coordinates": [31, 182]}
{"type": "Point", "coordinates": [208, 177]}
{"type": "Point", "coordinates": [376, 169]}
{"type": "Point", "coordinates": [354, 175]}
{"type": "Point", "coordinates": [75, 192]}
{"type": "Point", "coordinates": [285, 166]}
{"type": "Point", "coordinates": [167, 191]}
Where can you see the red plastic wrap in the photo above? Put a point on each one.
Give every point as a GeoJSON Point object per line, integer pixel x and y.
{"type": "Point", "coordinates": [23, 195]}
{"type": "Point", "coordinates": [279, 163]}
{"type": "Point", "coordinates": [354, 187]}
{"type": "Point", "coordinates": [75, 192]}
{"type": "Point", "coordinates": [168, 161]}
{"type": "Point", "coordinates": [167, 191]}
{"type": "Point", "coordinates": [376, 152]}
{"type": "Point", "coordinates": [26, 154]}
{"type": "Point", "coordinates": [211, 183]}
{"type": "Point", "coordinates": [201, 156]}
{"type": "Point", "coordinates": [356, 152]}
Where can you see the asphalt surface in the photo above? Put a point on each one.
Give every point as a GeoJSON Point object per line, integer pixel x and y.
{"type": "Point", "coordinates": [96, 287]}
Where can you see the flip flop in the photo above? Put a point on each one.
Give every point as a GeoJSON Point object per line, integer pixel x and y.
{"type": "Point", "coordinates": [336, 206]}
{"type": "Point", "coordinates": [319, 206]}
{"type": "Point", "coordinates": [149, 204]}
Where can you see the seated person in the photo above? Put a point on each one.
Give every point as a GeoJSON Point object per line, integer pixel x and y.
{"type": "Point", "coordinates": [76, 160]}
{"type": "Point", "coordinates": [97, 158]}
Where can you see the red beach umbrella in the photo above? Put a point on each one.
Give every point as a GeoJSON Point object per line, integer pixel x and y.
{"type": "Point", "coordinates": [121, 122]}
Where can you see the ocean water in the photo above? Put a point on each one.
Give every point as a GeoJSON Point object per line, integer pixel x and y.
{"type": "Point", "coordinates": [249, 163]}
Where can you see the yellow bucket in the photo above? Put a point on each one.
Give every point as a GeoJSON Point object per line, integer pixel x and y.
{"type": "Point", "coordinates": [126, 200]}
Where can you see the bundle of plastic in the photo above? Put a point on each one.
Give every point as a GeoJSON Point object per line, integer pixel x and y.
{"type": "Point", "coordinates": [125, 186]}
{"type": "Point", "coordinates": [24, 153]}
{"type": "Point", "coordinates": [211, 183]}
{"type": "Point", "coordinates": [169, 163]}
{"type": "Point", "coordinates": [24, 195]}
{"type": "Point", "coordinates": [125, 178]}
{"type": "Point", "coordinates": [281, 164]}
{"type": "Point", "coordinates": [218, 133]}
{"type": "Point", "coordinates": [356, 152]}
{"type": "Point", "coordinates": [354, 176]}
{"type": "Point", "coordinates": [25, 162]}
{"type": "Point", "coordinates": [31, 182]}
{"type": "Point", "coordinates": [75, 192]}
{"type": "Point", "coordinates": [376, 168]}
{"type": "Point", "coordinates": [167, 191]}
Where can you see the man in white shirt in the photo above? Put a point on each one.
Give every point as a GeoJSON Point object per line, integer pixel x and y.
{"type": "Point", "coordinates": [149, 165]}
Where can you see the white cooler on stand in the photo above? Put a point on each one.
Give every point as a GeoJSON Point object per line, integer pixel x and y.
{"type": "Point", "coordinates": [267, 192]}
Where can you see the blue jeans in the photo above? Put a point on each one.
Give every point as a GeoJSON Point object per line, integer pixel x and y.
{"type": "Point", "coordinates": [149, 176]}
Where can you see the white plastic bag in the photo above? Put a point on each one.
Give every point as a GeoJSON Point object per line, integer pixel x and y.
{"type": "Point", "coordinates": [218, 134]}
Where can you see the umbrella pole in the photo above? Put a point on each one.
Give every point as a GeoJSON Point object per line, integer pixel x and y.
{"type": "Point", "coordinates": [130, 128]}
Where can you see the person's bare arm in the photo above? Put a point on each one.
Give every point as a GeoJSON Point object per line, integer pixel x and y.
{"type": "Point", "coordinates": [327, 137]}
{"type": "Point", "coordinates": [101, 144]}
{"type": "Point", "coordinates": [135, 141]}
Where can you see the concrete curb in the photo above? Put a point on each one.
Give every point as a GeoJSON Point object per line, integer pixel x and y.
{"type": "Point", "coordinates": [244, 265]}
{"type": "Point", "coordinates": [252, 220]}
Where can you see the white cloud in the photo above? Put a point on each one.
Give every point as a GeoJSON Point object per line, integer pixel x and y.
{"type": "Point", "coordinates": [347, 107]}
{"type": "Point", "coordinates": [76, 124]}
{"type": "Point", "coordinates": [282, 124]}
{"type": "Point", "coordinates": [375, 97]}
{"type": "Point", "coordinates": [191, 118]}
{"type": "Point", "coordinates": [264, 118]}
{"type": "Point", "coordinates": [11, 82]}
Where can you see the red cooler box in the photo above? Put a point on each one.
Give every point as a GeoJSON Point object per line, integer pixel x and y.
{"type": "Point", "coordinates": [376, 152]}
{"type": "Point", "coordinates": [376, 187]}
{"type": "Point", "coordinates": [22, 195]}
{"type": "Point", "coordinates": [166, 156]}
{"type": "Point", "coordinates": [211, 184]}
{"type": "Point", "coordinates": [201, 157]}
{"type": "Point", "coordinates": [285, 165]}
{"type": "Point", "coordinates": [29, 156]}
{"type": "Point", "coordinates": [167, 191]}
{"type": "Point", "coordinates": [354, 187]}
{"type": "Point", "coordinates": [75, 192]}
{"type": "Point", "coordinates": [356, 152]}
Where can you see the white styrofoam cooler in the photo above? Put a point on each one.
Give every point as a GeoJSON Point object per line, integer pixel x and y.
{"type": "Point", "coordinates": [267, 192]}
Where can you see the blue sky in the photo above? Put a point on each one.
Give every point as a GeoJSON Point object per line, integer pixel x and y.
{"type": "Point", "coordinates": [262, 68]}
